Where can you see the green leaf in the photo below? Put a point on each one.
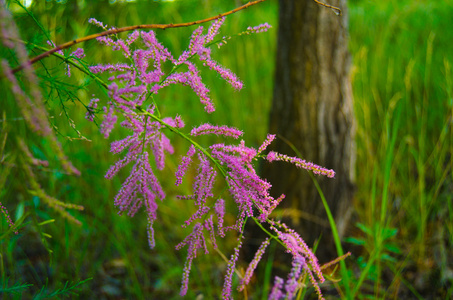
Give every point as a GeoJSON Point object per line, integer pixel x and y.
{"type": "Point", "coordinates": [355, 241]}
{"type": "Point", "coordinates": [393, 248]}
{"type": "Point", "coordinates": [363, 228]}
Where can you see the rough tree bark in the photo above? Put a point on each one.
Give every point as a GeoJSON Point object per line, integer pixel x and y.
{"type": "Point", "coordinates": [312, 109]}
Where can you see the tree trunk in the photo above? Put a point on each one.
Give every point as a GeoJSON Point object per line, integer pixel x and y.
{"type": "Point", "coordinates": [312, 109]}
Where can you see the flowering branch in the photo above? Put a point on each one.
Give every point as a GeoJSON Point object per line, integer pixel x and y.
{"type": "Point", "coordinates": [132, 87]}
{"type": "Point", "coordinates": [131, 28]}
{"type": "Point", "coordinates": [148, 26]}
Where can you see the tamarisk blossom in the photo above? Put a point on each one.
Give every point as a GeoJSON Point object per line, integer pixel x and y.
{"type": "Point", "coordinates": [131, 84]}
{"type": "Point", "coordinates": [131, 88]}
{"type": "Point", "coordinates": [252, 198]}
{"type": "Point", "coordinates": [276, 292]}
{"type": "Point", "coordinates": [227, 284]}
{"type": "Point", "coordinates": [97, 23]}
{"type": "Point", "coordinates": [260, 28]}
{"type": "Point", "coordinates": [185, 162]}
{"type": "Point", "coordinates": [219, 209]}
{"type": "Point", "coordinates": [141, 139]}
{"type": "Point", "coordinates": [141, 181]}
{"type": "Point", "coordinates": [194, 241]}
{"type": "Point", "coordinates": [292, 285]}
{"type": "Point", "coordinates": [269, 139]}
{"type": "Point", "coordinates": [198, 45]}
{"type": "Point", "coordinates": [302, 257]}
{"type": "Point", "coordinates": [218, 130]}
{"type": "Point", "coordinates": [245, 187]}
{"type": "Point", "coordinates": [253, 264]}
{"type": "Point", "coordinates": [142, 186]}
{"type": "Point", "coordinates": [203, 188]}
{"type": "Point", "coordinates": [301, 163]}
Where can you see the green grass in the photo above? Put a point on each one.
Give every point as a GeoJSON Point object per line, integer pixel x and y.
{"type": "Point", "coordinates": [403, 100]}
{"type": "Point", "coordinates": [403, 103]}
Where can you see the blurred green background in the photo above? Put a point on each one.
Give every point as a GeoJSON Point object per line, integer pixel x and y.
{"type": "Point", "coordinates": [403, 100]}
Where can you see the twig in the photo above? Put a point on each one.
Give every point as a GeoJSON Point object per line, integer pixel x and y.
{"type": "Point", "coordinates": [130, 28]}
{"type": "Point", "coordinates": [334, 8]}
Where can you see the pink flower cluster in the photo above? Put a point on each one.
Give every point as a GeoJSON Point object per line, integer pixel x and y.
{"type": "Point", "coordinates": [252, 198]}
{"type": "Point", "coordinates": [132, 86]}
{"type": "Point", "coordinates": [219, 130]}
{"type": "Point", "coordinates": [301, 163]}
{"type": "Point", "coordinates": [253, 264]}
{"type": "Point", "coordinates": [260, 28]}
{"type": "Point", "coordinates": [303, 259]}
{"type": "Point", "coordinates": [142, 186]}
{"type": "Point", "coordinates": [292, 285]}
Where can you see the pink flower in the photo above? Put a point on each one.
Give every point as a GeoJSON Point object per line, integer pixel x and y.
{"type": "Point", "coordinates": [185, 162]}
{"type": "Point", "coordinates": [218, 130]}
{"type": "Point", "coordinates": [301, 163]}
{"type": "Point", "coordinates": [260, 28]}
{"type": "Point", "coordinates": [253, 264]}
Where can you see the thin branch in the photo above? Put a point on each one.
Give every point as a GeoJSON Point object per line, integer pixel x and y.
{"type": "Point", "coordinates": [130, 28]}
{"type": "Point", "coordinates": [334, 8]}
